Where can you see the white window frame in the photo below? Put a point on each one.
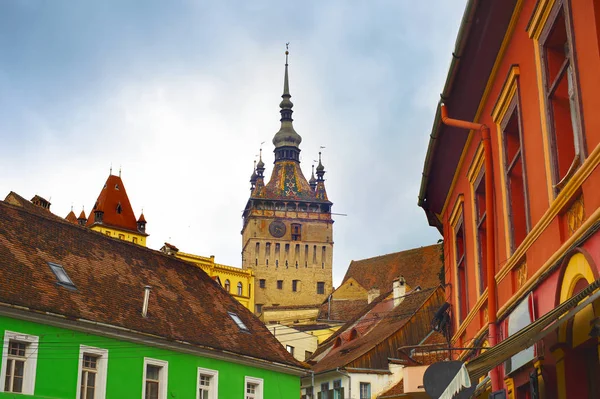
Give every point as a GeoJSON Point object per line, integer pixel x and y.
{"type": "Point", "coordinates": [258, 381]}
{"type": "Point", "coordinates": [214, 374]}
{"type": "Point", "coordinates": [163, 376]}
{"type": "Point", "coordinates": [31, 353]}
{"type": "Point", "coordinates": [101, 366]}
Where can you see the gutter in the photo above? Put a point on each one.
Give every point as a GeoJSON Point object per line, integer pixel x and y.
{"type": "Point", "coordinates": [349, 381]}
{"type": "Point", "coordinates": [461, 39]}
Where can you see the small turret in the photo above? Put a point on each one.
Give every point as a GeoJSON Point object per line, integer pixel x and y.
{"type": "Point", "coordinates": [141, 223]}
{"type": "Point", "coordinates": [253, 178]}
{"type": "Point", "coordinates": [82, 219]}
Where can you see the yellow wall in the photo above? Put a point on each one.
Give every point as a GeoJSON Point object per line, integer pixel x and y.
{"type": "Point", "coordinates": [121, 234]}
{"type": "Point", "coordinates": [235, 275]}
{"type": "Point", "coordinates": [350, 290]}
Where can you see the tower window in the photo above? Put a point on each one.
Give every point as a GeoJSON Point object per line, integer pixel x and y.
{"type": "Point", "coordinates": [276, 262]}
{"type": "Point", "coordinates": [295, 285]}
{"type": "Point", "coordinates": [262, 283]}
{"type": "Point", "coordinates": [320, 287]}
{"type": "Point", "coordinates": [119, 208]}
{"type": "Point", "coordinates": [296, 232]}
{"type": "Point", "coordinates": [296, 264]}
{"type": "Point", "coordinates": [279, 284]}
{"type": "Point", "coordinates": [314, 254]}
{"type": "Point", "coordinates": [286, 264]}
{"type": "Point", "coordinates": [256, 262]}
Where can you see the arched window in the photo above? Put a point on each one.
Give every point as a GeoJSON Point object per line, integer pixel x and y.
{"type": "Point", "coordinates": [227, 285]}
{"type": "Point", "coordinates": [239, 289]}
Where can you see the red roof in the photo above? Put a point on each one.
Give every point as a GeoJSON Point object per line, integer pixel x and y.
{"type": "Point", "coordinates": [375, 326]}
{"type": "Point", "coordinates": [185, 303]}
{"type": "Point", "coordinates": [113, 201]}
{"type": "Point", "coordinates": [71, 217]}
{"type": "Point", "coordinates": [419, 266]}
{"type": "Point", "coordinates": [82, 215]}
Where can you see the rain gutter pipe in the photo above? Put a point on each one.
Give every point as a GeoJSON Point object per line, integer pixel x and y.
{"type": "Point", "coordinates": [490, 227]}
{"type": "Point", "coordinates": [349, 381]}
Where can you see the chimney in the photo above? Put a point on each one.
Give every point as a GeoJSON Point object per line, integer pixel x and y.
{"type": "Point", "coordinates": [372, 294]}
{"type": "Point", "coordinates": [146, 299]}
{"type": "Point", "coordinates": [399, 290]}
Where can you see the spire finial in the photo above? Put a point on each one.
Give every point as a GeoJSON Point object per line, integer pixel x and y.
{"type": "Point", "coordinates": [110, 171]}
{"type": "Point", "coordinates": [286, 85]}
{"type": "Point", "coordinates": [287, 45]}
{"type": "Point", "coordinates": [286, 136]}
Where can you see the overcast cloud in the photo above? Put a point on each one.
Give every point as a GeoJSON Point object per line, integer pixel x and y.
{"type": "Point", "coordinates": [180, 94]}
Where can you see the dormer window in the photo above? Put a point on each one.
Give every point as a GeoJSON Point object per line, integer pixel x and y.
{"type": "Point", "coordinates": [116, 186]}
{"type": "Point", "coordinates": [337, 342]}
{"type": "Point", "coordinates": [119, 208]}
{"type": "Point", "coordinates": [353, 334]}
{"type": "Point", "coordinates": [238, 321]}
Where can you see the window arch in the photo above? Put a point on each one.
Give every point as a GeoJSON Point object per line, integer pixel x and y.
{"type": "Point", "coordinates": [227, 285]}
{"type": "Point", "coordinates": [240, 289]}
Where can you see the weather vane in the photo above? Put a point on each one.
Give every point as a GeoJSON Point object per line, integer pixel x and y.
{"type": "Point", "coordinates": [287, 45]}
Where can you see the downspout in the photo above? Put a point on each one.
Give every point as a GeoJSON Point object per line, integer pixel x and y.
{"type": "Point", "coordinates": [329, 307]}
{"type": "Point", "coordinates": [312, 383]}
{"type": "Point", "coordinates": [489, 228]}
{"type": "Point", "coordinates": [349, 381]}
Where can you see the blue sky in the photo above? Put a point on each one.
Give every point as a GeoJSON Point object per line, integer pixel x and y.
{"type": "Point", "coordinates": [180, 94]}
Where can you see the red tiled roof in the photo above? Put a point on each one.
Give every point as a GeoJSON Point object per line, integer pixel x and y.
{"type": "Point", "coordinates": [380, 321]}
{"type": "Point", "coordinates": [71, 217]}
{"type": "Point", "coordinates": [15, 199]}
{"type": "Point", "coordinates": [395, 390]}
{"type": "Point", "coordinates": [110, 275]}
{"type": "Point", "coordinates": [142, 218]}
{"type": "Point", "coordinates": [112, 195]}
{"type": "Point", "coordinates": [419, 266]}
{"type": "Point", "coordinates": [287, 183]}
{"type": "Point", "coordinates": [82, 215]}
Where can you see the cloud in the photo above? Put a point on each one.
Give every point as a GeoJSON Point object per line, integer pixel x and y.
{"type": "Point", "coordinates": [181, 96]}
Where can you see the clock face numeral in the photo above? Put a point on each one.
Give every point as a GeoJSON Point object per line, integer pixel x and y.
{"type": "Point", "coordinates": [277, 228]}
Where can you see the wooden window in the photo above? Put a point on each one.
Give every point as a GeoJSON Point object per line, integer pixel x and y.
{"type": "Point", "coordinates": [155, 379]}
{"type": "Point", "coordinates": [365, 390]}
{"type": "Point", "coordinates": [93, 366]}
{"type": "Point", "coordinates": [296, 232]}
{"type": "Point", "coordinates": [208, 381]}
{"type": "Point", "coordinates": [15, 367]}
{"type": "Point", "coordinates": [337, 389]}
{"type": "Point", "coordinates": [254, 388]}
{"type": "Point", "coordinates": [461, 270]}
{"type": "Point", "coordinates": [89, 372]}
{"type": "Point", "coordinates": [480, 225]}
{"type": "Point", "coordinates": [152, 381]}
{"type": "Point", "coordinates": [515, 176]}
{"type": "Point", "coordinates": [18, 367]}
{"type": "Point", "coordinates": [562, 95]}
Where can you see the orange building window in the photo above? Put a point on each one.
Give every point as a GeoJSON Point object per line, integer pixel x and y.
{"type": "Point", "coordinates": [461, 270]}
{"type": "Point", "coordinates": [562, 97]}
{"type": "Point", "coordinates": [515, 176]}
{"type": "Point", "coordinates": [480, 223]}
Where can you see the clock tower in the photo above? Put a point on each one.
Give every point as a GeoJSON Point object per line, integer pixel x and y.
{"type": "Point", "coordinates": [287, 235]}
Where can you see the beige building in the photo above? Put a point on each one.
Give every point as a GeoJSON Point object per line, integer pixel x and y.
{"type": "Point", "coordinates": [299, 343]}
{"type": "Point", "coordinates": [287, 234]}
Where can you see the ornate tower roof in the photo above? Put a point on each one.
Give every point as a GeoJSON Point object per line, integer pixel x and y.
{"type": "Point", "coordinates": [71, 217]}
{"type": "Point", "coordinates": [287, 181]}
{"type": "Point", "coordinates": [320, 192]}
{"type": "Point", "coordinates": [112, 208]}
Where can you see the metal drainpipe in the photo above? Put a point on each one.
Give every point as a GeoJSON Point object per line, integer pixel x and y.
{"type": "Point", "coordinates": [312, 383]}
{"type": "Point", "coordinates": [489, 228]}
{"type": "Point", "coordinates": [349, 381]}
{"type": "Point", "coordinates": [329, 307]}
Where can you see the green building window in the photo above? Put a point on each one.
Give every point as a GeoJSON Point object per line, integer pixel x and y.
{"type": "Point", "coordinates": [20, 363]}
{"type": "Point", "coordinates": [208, 381]}
{"type": "Point", "coordinates": [15, 367]}
{"type": "Point", "coordinates": [155, 379]}
{"type": "Point", "coordinates": [89, 372]}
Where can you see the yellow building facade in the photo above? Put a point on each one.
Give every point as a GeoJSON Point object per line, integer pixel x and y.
{"type": "Point", "coordinates": [239, 283]}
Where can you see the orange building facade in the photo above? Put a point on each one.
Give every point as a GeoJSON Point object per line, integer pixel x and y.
{"type": "Point", "coordinates": [528, 71]}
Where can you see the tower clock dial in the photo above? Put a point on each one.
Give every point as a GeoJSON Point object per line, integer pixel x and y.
{"type": "Point", "coordinates": [277, 228]}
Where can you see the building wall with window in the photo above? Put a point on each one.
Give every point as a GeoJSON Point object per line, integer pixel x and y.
{"type": "Point", "coordinates": [56, 369]}
{"type": "Point", "coordinates": [299, 343]}
{"type": "Point", "coordinates": [538, 97]}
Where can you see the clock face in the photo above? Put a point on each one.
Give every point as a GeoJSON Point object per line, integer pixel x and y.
{"type": "Point", "coordinates": [277, 228]}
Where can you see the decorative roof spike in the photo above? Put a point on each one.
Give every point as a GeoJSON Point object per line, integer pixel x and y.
{"type": "Point", "coordinates": [286, 136]}
{"type": "Point", "coordinates": [320, 169]}
{"type": "Point", "coordinates": [260, 166]}
{"type": "Point", "coordinates": [313, 182]}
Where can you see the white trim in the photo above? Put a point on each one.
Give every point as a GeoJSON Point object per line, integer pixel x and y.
{"type": "Point", "coordinates": [31, 353]}
{"type": "Point", "coordinates": [214, 390]}
{"type": "Point", "coordinates": [163, 376]}
{"type": "Point", "coordinates": [258, 381]}
{"type": "Point", "coordinates": [102, 367]}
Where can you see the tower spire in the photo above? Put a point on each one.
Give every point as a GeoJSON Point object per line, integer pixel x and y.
{"type": "Point", "coordinates": [286, 136]}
